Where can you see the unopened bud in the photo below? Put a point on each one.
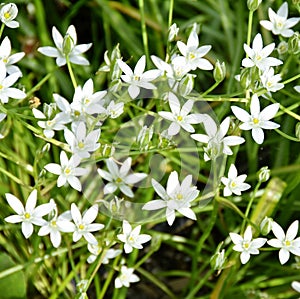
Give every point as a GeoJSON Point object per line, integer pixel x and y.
{"type": "Point", "coordinates": [144, 137]}
{"type": "Point", "coordinates": [173, 31]}
{"type": "Point", "coordinates": [294, 44]}
{"type": "Point", "coordinates": [219, 71]}
{"type": "Point", "coordinates": [282, 48]}
{"type": "Point", "coordinates": [266, 226]}
{"type": "Point", "coordinates": [263, 174]}
{"type": "Point", "coordinates": [68, 44]}
{"type": "Point", "coordinates": [217, 261]}
{"type": "Point", "coordinates": [253, 4]}
{"type": "Point", "coordinates": [186, 85]}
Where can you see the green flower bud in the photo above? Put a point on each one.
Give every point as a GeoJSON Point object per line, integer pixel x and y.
{"type": "Point", "coordinates": [294, 44]}
{"type": "Point", "coordinates": [219, 71]}
{"type": "Point", "coordinates": [144, 137]}
{"type": "Point", "coordinates": [186, 85]}
{"type": "Point", "coordinates": [68, 44]}
{"type": "Point", "coordinates": [253, 4]}
{"type": "Point", "coordinates": [282, 48]}
{"type": "Point", "coordinates": [297, 130]}
{"type": "Point", "coordinates": [217, 261]}
{"type": "Point", "coordinates": [266, 226]}
{"type": "Point", "coordinates": [263, 174]}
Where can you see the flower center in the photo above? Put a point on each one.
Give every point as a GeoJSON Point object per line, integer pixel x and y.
{"type": "Point", "coordinates": [5, 60]}
{"type": "Point", "coordinates": [280, 25]}
{"type": "Point", "coordinates": [27, 215]}
{"type": "Point", "coordinates": [81, 145]}
{"type": "Point", "coordinates": [118, 180]}
{"type": "Point", "coordinates": [246, 245]}
{"type": "Point", "coordinates": [136, 78]}
{"type": "Point", "coordinates": [192, 56]}
{"type": "Point", "coordinates": [179, 196]}
{"type": "Point", "coordinates": [1, 86]}
{"type": "Point", "coordinates": [233, 184]}
{"type": "Point", "coordinates": [67, 171]}
{"type": "Point", "coordinates": [255, 120]}
{"type": "Point", "coordinates": [258, 57]}
{"type": "Point", "coordinates": [77, 113]}
{"type": "Point", "coordinates": [53, 223]}
{"type": "Point", "coordinates": [179, 118]}
{"type": "Point", "coordinates": [7, 15]}
{"type": "Point", "coordinates": [50, 123]}
{"type": "Point", "coordinates": [87, 101]}
{"type": "Point", "coordinates": [287, 243]}
{"type": "Point", "coordinates": [81, 226]}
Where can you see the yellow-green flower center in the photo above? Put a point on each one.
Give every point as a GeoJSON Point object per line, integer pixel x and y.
{"type": "Point", "coordinates": [287, 243]}
{"type": "Point", "coordinates": [233, 184]}
{"type": "Point", "coordinates": [81, 145]}
{"type": "Point", "coordinates": [179, 118]}
{"type": "Point", "coordinates": [77, 113]}
{"type": "Point", "coordinates": [67, 171]}
{"type": "Point", "coordinates": [81, 226]}
{"type": "Point", "coordinates": [255, 121]}
{"type": "Point", "coordinates": [118, 180]}
{"type": "Point", "coordinates": [258, 57]}
{"type": "Point", "coordinates": [27, 215]}
{"type": "Point", "coordinates": [86, 101]}
{"type": "Point", "coordinates": [7, 15]}
{"type": "Point", "coordinates": [136, 78]}
{"type": "Point", "coordinates": [1, 86]}
{"type": "Point", "coordinates": [192, 56]}
{"type": "Point", "coordinates": [246, 245]}
{"type": "Point", "coordinates": [53, 223]}
{"type": "Point", "coordinates": [179, 196]}
{"type": "Point", "coordinates": [5, 60]}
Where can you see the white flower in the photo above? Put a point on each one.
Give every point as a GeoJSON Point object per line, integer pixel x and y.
{"type": "Point", "coordinates": [279, 24]}
{"type": "Point", "coordinates": [246, 245]}
{"type": "Point", "coordinates": [175, 198]}
{"type": "Point", "coordinates": [95, 251]}
{"type": "Point", "coordinates": [215, 139]}
{"type": "Point", "coordinates": [126, 277]}
{"type": "Point", "coordinates": [173, 31]}
{"type": "Point", "coordinates": [6, 91]}
{"type": "Point", "coordinates": [8, 13]}
{"type": "Point", "coordinates": [132, 237]}
{"type": "Point", "coordinates": [180, 117]}
{"type": "Point", "coordinates": [30, 214]}
{"type": "Point", "coordinates": [119, 178]}
{"type": "Point", "coordinates": [258, 56]}
{"type": "Point", "coordinates": [8, 59]}
{"type": "Point", "coordinates": [84, 225]}
{"type": "Point", "coordinates": [56, 225]}
{"type": "Point", "coordinates": [114, 110]}
{"type": "Point", "coordinates": [234, 183]}
{"type": "Point", "coordinates": [67, 171]}
{"type": "Point", "coordinates": [86, 101]}
{"type": "Point", "coordinates": [257, 120]}
{"type": "Point", "coordinates": [270, 81]}
{"type": "Point", "coordinates": [49, 125]}
{"type": "Point", "coordinates": [296, 286]}
{"type": "Point", "coordinates": [82, 143]}
{"type": "Point", "coordinates": [138, 78]}
{"type": "Point", "coordinates": [286, 242]}
{"type": "Point", "coordinates": [193, 53]}
{"type": "Point", "coordinates": [66, 48]}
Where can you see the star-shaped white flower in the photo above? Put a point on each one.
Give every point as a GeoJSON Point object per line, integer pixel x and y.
{"type": "Point", "coordinates": [83, 224]}
{"type": "Point", "coordinates": [215, 139]}
{"type": "Point", "coordinates": [67, 171]}
{"type": "Point", "coordinates": [80, 142]}
{"type": "Point", "coordinates": [8, 58]}
{"type": "Point", "coordinates": [288, 243]}
{"type": "Point", "coordinates": [126, 277]}
{"type": "Point", "coordinates": [180, 117]}
{"type": "Point", "coordinates": [86, 101]}
{"type": "Point", "coordinates": [175, 198]}
{"type": "Point", "coordinates": [66, 47]}
{"type": "Point", "coordinates": [246, 245]}
{"type": "Point", "coordinates": [114, 110]}
{"type": "Point", "coordinates": [270, 81]}
{"type": "Point", "coordinates": [279, 24]}
{"type": "Point", "coordinates": [119, 178]}
{"type": "Point", "coordinates": [193, 53]}
{"type": "Point", "coordinates": [234, 183]}
{"type": "Point", "coordinates": [6, 91]}
{"type": "Point", "coordinates": [30, 214]}
{"type": "Point", "coordinates": [8, 13]}
{"type": "Point", "coordinates": [132, 237]}
{"type": "Point", "coordinates": [138, 79]}
{"type": "Point", "coordinates": [257, 120]}
{"type": "Point", "coordinates": [258, 55]}
{"type": "Point", "coordinates": [95, 251]}
{"type": "Point", "coordinates": [56, 225]}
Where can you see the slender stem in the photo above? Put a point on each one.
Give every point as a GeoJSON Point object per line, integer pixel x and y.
{"type": "Point", "coordinates": [71, 73]}
{"type": "Point", "coordinates": [287, 136]}
{"type": "Point", "coordinates": [291, 79]}
{"type": "Point", "coordinates": [250, 20]}
{"type": "Point", "coordinates": [210, 89]}
{"type": "Point", "coordinates": [144, 29]}
{"type": "Point", "coordinates": [170, 19]}
{"type": "Point", "coordinates": [1, 29]}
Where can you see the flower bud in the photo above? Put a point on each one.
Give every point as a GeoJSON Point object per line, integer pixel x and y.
{"type": "Point", "coordinates": [186, 85]}
{"type": "Point", "coordinates": [263, 174]}
{"type": "Point", "coordinates": [144, 137]}
{"type": "Point", "coordinates": [297, 130]}
{"type": "Point", "coordinates": [253, 4]}
{"type": "Point", "coordinates": [173, 31]}
{"type": "Point", "coordinates": [219, 71]}
{"type": "Point", "coordinates": [266, 226]}
{"type": "Point", "coordinates": [217, 261]}
{"type": "Point", "coordinates": [294, 44]}
{"type": "Point", "coordinates": [282, 48]}
{"type": "Point", "coordinates": [68, 44]}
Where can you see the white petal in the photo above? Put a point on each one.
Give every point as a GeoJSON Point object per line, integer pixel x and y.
{"type": "Point", "coordinates": [292, 231]}
{"type": "Point", "coordinates": [284, 255]}
{"type": "Point", "coordinates": [15, 203]}
{"type": "Point", "coordinates": [240, 114]}
{"type": "Point", "coordinates": [278, 231]}
{"type": "Point", "coordinates": [27, 229]}
{"type": "Point", "coordinates": [258, 135]}
{"type": "Point", "coordinates": [154, 205]}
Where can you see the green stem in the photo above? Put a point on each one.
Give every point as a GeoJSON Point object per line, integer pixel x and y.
{"type": "Point", "coordinates": [144, 29]}
{"type": "Point", "coordinates": [250, 20]}
{"type": "Point", "coordinates": [170, 19]}
{"type": "Point", "coordinates": [71, 72]}
{"type": "Point", "coordinates": [291, 79]}
{"type": "Point", "coordinates": [1, 29]}
{"type": "Point", "coordinates": [210, 89]}
{"type": "Point", "coordinates": [287, 136]}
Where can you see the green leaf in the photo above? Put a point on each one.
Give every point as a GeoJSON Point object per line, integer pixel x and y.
{"type": "Point", "coordinates": [14, 285]}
